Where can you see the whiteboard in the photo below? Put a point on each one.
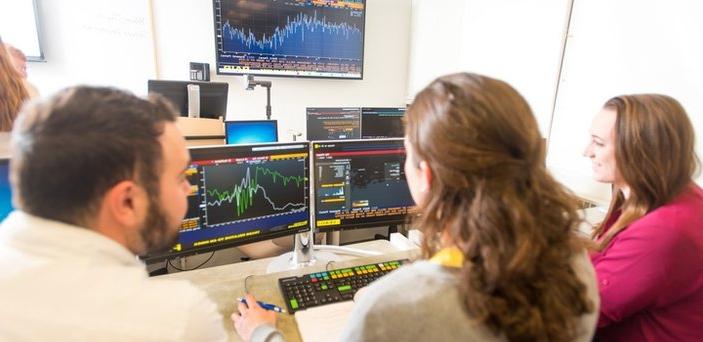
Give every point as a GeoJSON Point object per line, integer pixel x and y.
{"type": "Point", "coordinates": [518, 41]}
{"type": "Point", "coordinates": [18, 26]}
{"type": "Point", "coordinates": [613, 50]}
{"type": "Point", "coordinates": [96, 42]}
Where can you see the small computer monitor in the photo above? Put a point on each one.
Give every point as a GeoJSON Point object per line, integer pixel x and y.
{"type": "Point", "coordinates": [242, 194]}
{"type": "Point", "coordinates": [251, 131]}
{"type": "Point", "coordinates": [378, 122]}
{"type": "Point", "coordinates": [333, 123]}
{"type": "Point", "coordinates": [213, 96]}
{"type": "Point", "coordinates": [5, 189]}
{"type": "Point", "coordinates": [359, 183]}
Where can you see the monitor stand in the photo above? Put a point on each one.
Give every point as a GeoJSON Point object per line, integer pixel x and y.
{"type": "Point", "coordinates": [303, 255]}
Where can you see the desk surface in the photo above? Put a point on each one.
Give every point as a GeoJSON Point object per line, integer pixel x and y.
{"type": "Point", "coordinates": [225, 283]}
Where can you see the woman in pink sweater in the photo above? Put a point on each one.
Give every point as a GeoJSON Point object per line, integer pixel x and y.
{"type": "Point", "coordinates": [649, 254]}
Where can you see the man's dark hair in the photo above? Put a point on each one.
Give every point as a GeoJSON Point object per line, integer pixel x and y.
{"type": "Point", "coordinates": [69, 150]}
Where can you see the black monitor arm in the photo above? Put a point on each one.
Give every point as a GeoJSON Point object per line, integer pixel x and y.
{"type": "Point", "coordinates": [251, 83]}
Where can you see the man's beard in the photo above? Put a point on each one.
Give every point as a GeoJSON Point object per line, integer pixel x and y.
{"type": "Point", "coordinates": [156, 233]}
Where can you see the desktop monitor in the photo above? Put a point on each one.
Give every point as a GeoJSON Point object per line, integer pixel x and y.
{"type": "Point", "coordinates": [213, 96]}
{"type": "Point", "coordinates": [5, 189]}
{"type": "Point", "coordinates": [333, 123]}
{"type": "Point", "coordinates": [249, 132]}
{"type": "Point", "coordinates": [242, 194]}
{"type": "Point", "coordinates": [359, 183]}
{"type": "Point", "coordinates": [382, 122]}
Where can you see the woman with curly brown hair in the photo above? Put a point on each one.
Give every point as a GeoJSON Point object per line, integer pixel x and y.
{"type": "Point", "coordinates": [12, 90]}
{"type": "Point", "coordinates": [503, 259]}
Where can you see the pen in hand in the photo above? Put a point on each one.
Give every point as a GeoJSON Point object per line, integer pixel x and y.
{"type": "Point", "coordinates": [266, 306]}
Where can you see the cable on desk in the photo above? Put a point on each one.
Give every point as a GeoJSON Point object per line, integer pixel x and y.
{"type": "Point", "coordinates": [327, 266]}
{"type": "Point", "coordinates": [246, 288]}
{"type": "Point", "coordinates": [194, 268]}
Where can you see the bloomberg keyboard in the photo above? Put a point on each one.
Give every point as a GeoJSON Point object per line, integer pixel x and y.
{"type": "Point", "coordinates": [332, 286]}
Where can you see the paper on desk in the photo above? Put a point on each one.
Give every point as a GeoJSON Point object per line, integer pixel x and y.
{"type": "Point", "coordinates": [323, 323]}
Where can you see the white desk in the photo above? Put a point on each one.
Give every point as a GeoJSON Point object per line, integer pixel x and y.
{"type": "Point", "coordinates": [225, 283]}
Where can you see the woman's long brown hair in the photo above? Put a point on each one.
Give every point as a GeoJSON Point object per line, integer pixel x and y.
{"type": "Point", "coordinates": [12, 91]}
{"type": "Point", "coordinates": [493, 198]}
{"type": "Point", "coordinates": [654, 153]}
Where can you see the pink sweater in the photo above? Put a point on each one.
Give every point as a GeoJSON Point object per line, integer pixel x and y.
{"type": "Point", "coordinates": [650, 277]}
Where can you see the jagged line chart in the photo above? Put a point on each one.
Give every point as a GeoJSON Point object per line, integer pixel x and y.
{"type": "Point", "coordinates": [253, 195]}
{"type": "Point", "coordinates": [303, 35]}
{"type": "Point", "coordinates": [243, 193]}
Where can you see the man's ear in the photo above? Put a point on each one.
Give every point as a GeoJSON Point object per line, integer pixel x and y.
{"type": "Point", "coordinates": [425, 175]}
{"type": "Point", "coordinates": [124, 203]}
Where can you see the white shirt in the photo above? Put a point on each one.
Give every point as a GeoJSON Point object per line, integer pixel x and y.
{"type": "Point", "coordinates": [60, 282]}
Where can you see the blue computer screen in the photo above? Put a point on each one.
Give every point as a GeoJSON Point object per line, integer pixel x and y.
{"type": "Point", "coordinates": [5, 190]}
{"type": "Point", "coordinates": [251, 132]}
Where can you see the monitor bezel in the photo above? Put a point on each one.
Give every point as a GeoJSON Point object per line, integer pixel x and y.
{"type": "Point", "coordinates": [213, 151]}
{"type": "Point", "coordinates": [227, 122]}
{"type": "Point", "coordinates": [313, 197]}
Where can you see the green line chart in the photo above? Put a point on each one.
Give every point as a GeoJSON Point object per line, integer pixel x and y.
{"type": "Point", "coordinates": [240, 191]}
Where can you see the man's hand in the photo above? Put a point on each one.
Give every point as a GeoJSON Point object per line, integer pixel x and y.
{"type": "Point", "coordinates": [250, 317]}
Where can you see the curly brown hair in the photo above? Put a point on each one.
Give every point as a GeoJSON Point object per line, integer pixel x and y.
{"type": "Point", "coordinates": [492, 197]}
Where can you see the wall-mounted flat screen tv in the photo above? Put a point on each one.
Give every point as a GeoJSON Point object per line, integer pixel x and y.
{"type": "Point", "coordinates": [299, 38]}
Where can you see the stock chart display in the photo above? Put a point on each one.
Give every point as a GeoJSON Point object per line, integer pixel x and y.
{"type": "Point", "coordinates": [245, 193]}
{"type": "Point", "coordinates": [315, 38]}
{"type": "Point", "coordinates": [360, 183]}
{"type": "Point", "coordinates": [333, 123]}
{"type": "Point", "coordinates": [382, 122]}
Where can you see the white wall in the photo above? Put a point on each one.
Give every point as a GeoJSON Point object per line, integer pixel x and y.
{"type": "Point", "coordinates": [98, 42]}
{"type": "Point", "coordinates": [518, 41]}
{"type": "Point", "coordinates": [184, 33]}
